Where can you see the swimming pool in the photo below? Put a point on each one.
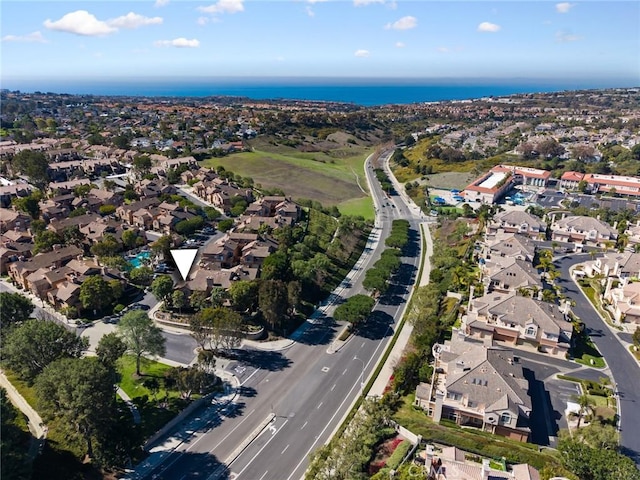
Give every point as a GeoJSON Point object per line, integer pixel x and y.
{"type": "Point", "coordinates": [139, 259]}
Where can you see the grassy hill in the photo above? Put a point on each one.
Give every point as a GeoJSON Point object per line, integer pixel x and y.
{"type": "Point", "coordinates": [331, 176]}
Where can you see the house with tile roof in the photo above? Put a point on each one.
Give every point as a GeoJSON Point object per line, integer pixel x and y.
{"type": "Point", "coordinates": [517, 320]}
{"type": "Point", "coordinates": [479, 386]}
{"type": "Point", "coordinates": [583, 230]}
{"type": "Point", "coordinates": [517, 221]}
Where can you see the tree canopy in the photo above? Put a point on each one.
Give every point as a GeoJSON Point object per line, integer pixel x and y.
{"type": "Point", "coordinates": [15, 309]}
{"type": "Point", "coordinates": [29, 348]}
{"type": "Point", "coordinates": [78, 394]}
{"type": "Point", "coordinates": [140, 335]}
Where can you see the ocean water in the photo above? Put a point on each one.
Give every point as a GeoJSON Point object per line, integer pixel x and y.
{"type": "Point", "coordinates": [355, 91]}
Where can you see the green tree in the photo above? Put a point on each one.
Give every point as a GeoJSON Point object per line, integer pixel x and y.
{"type": "Point", "coordinates": [130, 239]}
{"type": "Point", "coordinates": [275, 267]}
{"type": "Point", "coordinates": [110, 348]}
{"type": "Point", "coordinates": [141, 276]}
{"type": "Point", "coordinates": [34, 165]}
{"type": "Point", "coordinates": [95, 293]}
{"type": "Point", "coordinates": [225, 224]}
{"type": "Point", "coordinates": [595, 464]}
{"type": "Point", "coordinates": [636, 337]}
{"type": "Point", "coordinates": [163, 246]}
{"type": "Point", "coordinates": [198, 300]}
{"type": "Point", "coordinates": [29, 205]}
{"type": "Point", "coordinates": [243, 295]}
{"type": "Point", "coordinates": [13, 440]}
{"type": "Point", "coordinates": [14, 309]}
{"type": "Point", "coordinates": [216, 329]}
{"type": "Point", "coordinates": [273, 303]}
{"type": "Point", "coordinates": [30, 347]}
{"type": "Point", "coordinates": [178, 300]}
{"type": "Point", "coordinates": [140, 335]}
{"type": "Point", "coordinates": [78, 394]}
{"type": "Point", "coordinates": [107, 247]}
{"type": "Point", "coordinates": [142, 164]}
{"type": "Point", "coordinates": [586, 403]}
{"type": "Point", "coordinates": [355, 310]}
{"type": "Point", "coordinates": [73, 236]}
{"type": "Point", "coordinates": [107, 209]}
{"type": "Point", "coordinates": [162, 287]}
{"type": "Point", "coordinates": [45, 241]}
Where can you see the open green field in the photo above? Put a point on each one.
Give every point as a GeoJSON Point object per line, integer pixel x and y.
{"type": "Point", "coordinates": [330, 178]}
{"type": "Point", "coordinates": [134, 386]}
{"type": "Point", "coordinates": [362, 206]}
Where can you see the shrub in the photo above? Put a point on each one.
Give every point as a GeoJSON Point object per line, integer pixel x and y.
{"type": "Point", "coordinates": [398, 454]}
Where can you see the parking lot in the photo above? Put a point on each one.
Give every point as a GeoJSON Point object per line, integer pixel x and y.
{"type": "Point", "coordinates": [549, 395]}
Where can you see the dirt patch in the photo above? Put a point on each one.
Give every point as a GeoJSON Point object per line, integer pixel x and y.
{"type": "Point", "coordinates": [448, 180]}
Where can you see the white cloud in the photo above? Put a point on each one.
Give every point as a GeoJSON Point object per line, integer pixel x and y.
{"type": "Point", "coordinates": [223, 6]}
{"type": "Point", "coordinates": [443, 49]}
{"type": "Point", "coordinates": [362, 3]}
{"type": "Point", "coordinates": [362, 53]}
{"type": "Point", "coordinates": [202, 20]}
{"type": "Point", "coordinates": [488, 27]}
{"type": "Point", "coordinates": [310, 12]}
{"type": "Point", "coordinates": [161, 3]}
{"type": "Point", "coordinates": [566, 37]}
{"type": "Point", "coordinates": [405, 23]}
{"type": "Point", "coordinates": [564, 7]}
{"type": "Point", "coordinates": [399, 45]}
{"type": "Point", "coordinates": [133, 20]}
{"type": "Point", "coordinates": [80, 22]}
{"type": "Point", "coordinates": [316, 1]}
{"type": "Point", "coordinates": [178, 42]}
{"type": "Point", "coordinates": [33, 37]}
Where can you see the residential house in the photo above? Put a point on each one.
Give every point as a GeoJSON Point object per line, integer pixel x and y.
{"type": "Point", "coordinates": [519, 320]}
{"type": "Point", "coordinates": [20, 271]}
{"type": "Point", "coordinates": [517, 221]}
{"type": "Point", "coordinates": [508, 274]}
{"type": "Point", "coordinates": [9, 192]}
{"type": "Point", "coordinates": [625, 302]}
{"type": "Point", "coordinates": [583, 230]}
{"type": "Point", "coordinates": [479, 386]}
{"type": "Point", "coordinates": [450, 463]}
{"type": "Point", "coordinates": [13, 220]}
{"type": "Point", "coordinates": [11, 252]}
{"type": "Point", "coordinates": [513, 245]}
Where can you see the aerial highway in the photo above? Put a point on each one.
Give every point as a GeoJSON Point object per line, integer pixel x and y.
{"type": "Point", "coordinates": [290, 402]}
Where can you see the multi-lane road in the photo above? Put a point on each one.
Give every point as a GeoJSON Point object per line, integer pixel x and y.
{"type": "Point", "coordinates": [292, 401]}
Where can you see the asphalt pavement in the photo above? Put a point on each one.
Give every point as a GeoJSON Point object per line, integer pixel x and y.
{"type": "Point", "coordinates": [624, 368]}
{"type": "Point", "coordinates": [289, 402]}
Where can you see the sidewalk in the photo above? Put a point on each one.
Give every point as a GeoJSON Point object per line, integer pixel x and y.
{"type": "Point", "coordinates": [380, 384]}
{"type": "Point", "coordinates": [36, 426]}
{"type": "Point", "coordinates": [160, 451]}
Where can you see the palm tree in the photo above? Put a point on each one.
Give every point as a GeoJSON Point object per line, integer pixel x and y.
{"type": "Point", "coordinates": [586, 403]}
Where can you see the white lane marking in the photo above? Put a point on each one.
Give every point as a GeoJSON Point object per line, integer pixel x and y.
{"type": "Point", "coordinates": [334, 386]}
{"type": "Point", "coordinates": [319, 405]}
{"type": "Point", "coordinates": [336, 411]}
{"type": "Point", "coordinates": [260, 451]}
{"type": "Point", "coordinates": [345, 371]}
{"type": "Point", "coordinates": [305, 424]}
{"type": "Point", "coordinates": [264, 474]}
{"type": "Point", "coordinates": [247, 379]}
{"type": "Point", "coordinates": [285, 449]}
{"type": "Point", "coordinates": [233, 430]}
{"type": "Point", "coordinates": [362, 345]}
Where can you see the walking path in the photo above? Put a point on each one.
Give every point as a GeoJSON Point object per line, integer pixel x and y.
{"type": "Point", "coordinates": [36, 426]}
{"type": "Point", "coordinates": [381, 382]}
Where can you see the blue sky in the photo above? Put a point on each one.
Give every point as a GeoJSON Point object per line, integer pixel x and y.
{"type": "Point", "coordinates": [597, 40]}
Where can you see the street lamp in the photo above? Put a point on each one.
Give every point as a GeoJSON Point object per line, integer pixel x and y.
{"type": "Point", "coordinates": [361, 375]}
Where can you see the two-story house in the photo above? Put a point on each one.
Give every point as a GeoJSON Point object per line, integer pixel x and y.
{"type": "Point", "coordinates": [518, 320]}
{"type": "Point", "coordinates": [477, 385]}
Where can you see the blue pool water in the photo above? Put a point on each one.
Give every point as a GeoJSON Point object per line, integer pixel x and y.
{"type": "Point", "coordinates": [137, 261]}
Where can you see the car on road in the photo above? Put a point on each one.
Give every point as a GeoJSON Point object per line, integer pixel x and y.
{"type": "Point", "coordinates": [139, 306]}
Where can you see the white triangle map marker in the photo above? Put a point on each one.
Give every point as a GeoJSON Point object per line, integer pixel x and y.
{"type": "Point", "coordinates": [184, 260]}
